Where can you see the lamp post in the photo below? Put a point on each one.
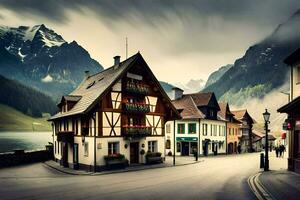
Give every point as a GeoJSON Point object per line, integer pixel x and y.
{"type": "Point", "coordinates": [266, 115]}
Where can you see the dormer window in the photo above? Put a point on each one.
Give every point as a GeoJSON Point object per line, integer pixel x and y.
{"type": "Point", "coordinates": [211, 113]}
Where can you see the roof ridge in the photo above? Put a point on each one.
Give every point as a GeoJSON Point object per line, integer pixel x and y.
{"type": "Point", "coordinates": [196, 106]}
{"type": "Point", "coordinates": [113, 65]}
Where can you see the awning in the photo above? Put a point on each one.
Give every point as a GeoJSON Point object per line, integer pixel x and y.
{"type": "Point", "coordinates": [186, 139]}
{"type": "Point", "coordinates": [65, 136]}
{"type": "Point", "coordinates": [290, 106]}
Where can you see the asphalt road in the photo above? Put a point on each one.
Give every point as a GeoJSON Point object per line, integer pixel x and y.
{"type": "Point", "coordinates": [222, 177]}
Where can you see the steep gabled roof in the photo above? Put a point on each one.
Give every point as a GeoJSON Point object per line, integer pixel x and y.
{"type": "Point", "coordinates": [188, 107]}
{"type": "Point", "coordinates": [292, 58]}
{"type": "Point", "coordinates": [94, 87]}
{"type": "Point", "coordinates": [189, 104]}
{"type": "Point", "coordinates": [223, 110]}
{"type": "Point", "coordinates": [242, 114]}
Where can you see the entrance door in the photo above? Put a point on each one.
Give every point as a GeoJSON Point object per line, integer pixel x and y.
{"type": "Point", "coordinates": [134, 152]}
{"type": "Point", "coordinates": [205, 148]}
{"type": "Point", "coordinates": [75, 156]}
{"type": "Point", "coordinates": [65, 154]}
{"type": "Point", "coordinates": [185, 149]}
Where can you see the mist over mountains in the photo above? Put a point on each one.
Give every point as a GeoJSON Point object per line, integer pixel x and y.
{"type": "Point", "coordinates": [261, 69]}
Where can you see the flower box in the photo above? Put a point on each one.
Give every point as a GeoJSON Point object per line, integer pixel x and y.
{"type": "Point", "coordinates": [153, 158]}
{"type": "Point", "coordinates": [115, 161]}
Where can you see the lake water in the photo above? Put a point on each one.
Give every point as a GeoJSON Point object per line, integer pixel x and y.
{"type": "Point", "coordinates": [24, 140]}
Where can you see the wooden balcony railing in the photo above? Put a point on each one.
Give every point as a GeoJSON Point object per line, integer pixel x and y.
{"type": "Point", "coordinates": [136, 107]}
{"type": "Point", "coordinates": [137, 88]}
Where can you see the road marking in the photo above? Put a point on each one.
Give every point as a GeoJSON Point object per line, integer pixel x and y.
{"type": "Point", "coordinates": [258, 189]}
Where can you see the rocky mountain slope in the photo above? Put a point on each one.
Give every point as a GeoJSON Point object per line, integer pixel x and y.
{"type": "Point", "coordinates": [215, 76]}
{"type": "Point", "coordinates": [261, 69]}
{"type": "Point", "coordinates": [38, 57]}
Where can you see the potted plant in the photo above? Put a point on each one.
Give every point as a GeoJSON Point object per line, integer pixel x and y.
{"type": "Point", "coordinates": [153, 157]}
{"type": "Point", "coordinates": [114, 161]}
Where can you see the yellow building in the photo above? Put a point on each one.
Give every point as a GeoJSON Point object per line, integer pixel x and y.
{"type": "Point", "coordinates": [233, 126]}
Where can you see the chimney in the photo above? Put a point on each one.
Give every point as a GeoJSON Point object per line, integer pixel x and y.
{"type": "Point", "coordinates": [117, 61]}
{"type": "Point", "coordinates": [176, 93]}
{"type": "Point", "coordinates": [87, 74]}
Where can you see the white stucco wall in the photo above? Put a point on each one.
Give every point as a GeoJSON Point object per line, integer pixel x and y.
{"type": "Point", "coordinates": [170, 135]}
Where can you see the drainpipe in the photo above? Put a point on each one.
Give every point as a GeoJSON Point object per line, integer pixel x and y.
{"type": "Point", "coordinates": [226, 147]}
{"type": "Point", "coordinates": [199, 138]}
{"type": "Point", "coordinates": [95, 163]}
{"type": "Point", "coordinates": [174, 139]}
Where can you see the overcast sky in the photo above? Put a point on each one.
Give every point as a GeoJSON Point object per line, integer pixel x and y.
{"type": "Point", "coordinates": [180, 40]}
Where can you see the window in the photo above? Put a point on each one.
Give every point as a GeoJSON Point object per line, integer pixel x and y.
{"type": "Point", "coordinates": [168, 144]}
{"type": "Point", "coordinates": [168, 128]}
{"type": "Point", "coordinates": [178, 147]}
{"type": "Point", "coordinates": [298, 74]}
{"type": "Point", "coordinates": [86, 149]}
{"type": "Point", "coordinates": [113, 148]}
{"type": "Point", "coordinates": [55, 147]}
{"type": "Point", "coordinates": [180, 128]}
{"type": "Point", "coordinates": [152, 146]}
{"type": "Point", "coordinates": [66, 127]}
{"type": "Point", "coordinates": [192, 128]}
{"type": "Point", "coordinates": [211, 113]}
{"type": "Point", "coordinates": [204, 129]}
{"type": "Point", "coordinates": [215, 130]}
{"type": "Point", "coordinates": [211, 129]}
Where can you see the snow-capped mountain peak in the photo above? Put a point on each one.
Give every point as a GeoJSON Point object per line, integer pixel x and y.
{"type": "Point", "coordinates": [39, 57]}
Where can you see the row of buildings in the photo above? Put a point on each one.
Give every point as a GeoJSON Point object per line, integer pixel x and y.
{"type": "Point", "coordinates": [124, 113]}
{"type": "Point", "coordinates": [207, 126]}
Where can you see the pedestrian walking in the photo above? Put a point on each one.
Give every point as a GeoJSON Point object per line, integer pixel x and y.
{"type": "Point", "coordinates": [195, 152]}
{"type": "Point", "coordinates": [280, 151]}
{"type": "Point", "coordinates": [277, 151]}
{"type": "Point", "coordinates": [239, 149]}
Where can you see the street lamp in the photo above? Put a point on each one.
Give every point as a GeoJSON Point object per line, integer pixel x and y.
{"type": "Point", "coordinates": [266, 115]}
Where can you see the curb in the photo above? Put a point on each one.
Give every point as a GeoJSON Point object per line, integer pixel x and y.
{"type": "Point", "coordinates": [258, 189]}
{"type": "Point", "coordinates": [116, 172]}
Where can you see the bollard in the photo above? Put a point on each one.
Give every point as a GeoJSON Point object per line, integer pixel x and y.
{"type": "Point", "coordinates": [262, 160]}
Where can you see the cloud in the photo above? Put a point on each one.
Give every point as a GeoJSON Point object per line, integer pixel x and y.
{"type": "Point", "coordinates": [208, 23]}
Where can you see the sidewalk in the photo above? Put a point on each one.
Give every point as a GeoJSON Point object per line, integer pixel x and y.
{"type": "Point", "coordinates": [281, 184]}
{"type": "Point", "coordinates": [180, 161]}
{"type": "Point", "coordinates": [278, 183]}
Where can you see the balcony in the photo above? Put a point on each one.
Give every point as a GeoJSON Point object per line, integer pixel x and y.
{"type": "Point", "coordinates": [137, 88]}
{"type": "Point", "coordinates": [136, 107]}
{"type": "Point", "coordinates": [136, 131]}
{"type": "Point", "coordinates": [65, 136]}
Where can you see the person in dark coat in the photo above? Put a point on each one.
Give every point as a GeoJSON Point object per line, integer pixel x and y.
{"type": "Point", "coordinates": [280, 151]}
{"type": "Point", "coordinates": [239, 149]}
{"type": "Point", "coordinates": [195, 152]}
{"type": "Point", "coordinates": [277, 151]}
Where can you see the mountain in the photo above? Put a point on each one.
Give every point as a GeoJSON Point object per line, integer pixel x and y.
{"type": "Point", "coordinates": [25, 99]}
{"type": "Point", "coordinates": [38, 57]}
{"type": "Point", "coordinates": [191, 86]}
{"type": "Point", "coordinates": [215, 76]}
{"type": "Point", "coordinates": [261, 69]}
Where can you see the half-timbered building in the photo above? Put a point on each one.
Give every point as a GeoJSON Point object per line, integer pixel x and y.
{"type": "Point", "coordinates": [120, 110]}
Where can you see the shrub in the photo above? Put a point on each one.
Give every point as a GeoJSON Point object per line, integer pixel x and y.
{"type": "Point", "coordinates": [153, 154]}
